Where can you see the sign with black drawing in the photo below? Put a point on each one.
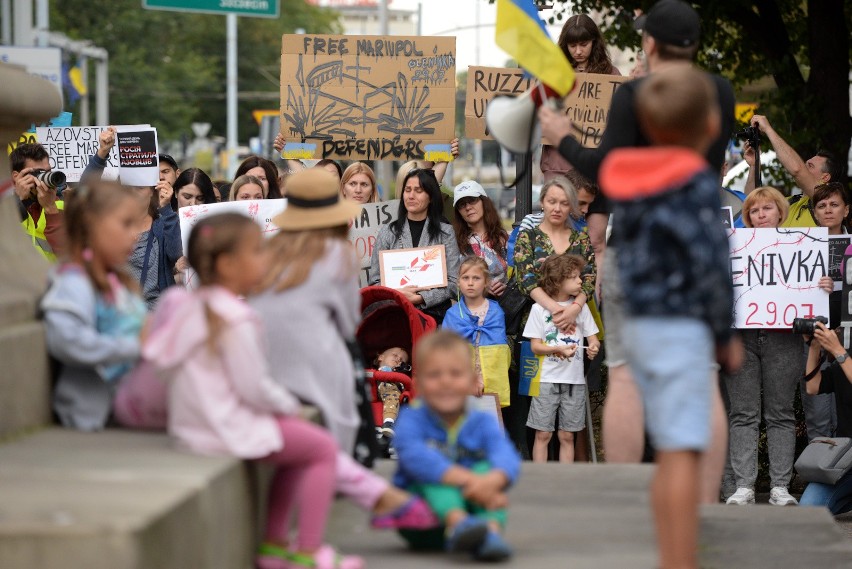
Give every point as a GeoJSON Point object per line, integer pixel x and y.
{"type": "Point", "coordinates": [368, 97]}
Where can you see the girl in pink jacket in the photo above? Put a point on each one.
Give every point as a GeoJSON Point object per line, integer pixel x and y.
{"type": "Point", "coordinates": [222, 400]}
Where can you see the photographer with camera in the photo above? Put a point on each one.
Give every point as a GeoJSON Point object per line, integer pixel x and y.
{"type": "Point", "coordinates": [38, 189]}
{"type": "Point", "coordinates": [820, 169]}
{"type": "Point", "coordinates": [836, 379]}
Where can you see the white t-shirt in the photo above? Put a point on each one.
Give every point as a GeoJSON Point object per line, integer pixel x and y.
{"type": "Point", "coordinates": [554, 370]}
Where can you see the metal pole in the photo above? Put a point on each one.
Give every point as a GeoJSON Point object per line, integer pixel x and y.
{"type": "Point", "coordinates": [24, 23]}
{"type": "Point", "coordinates": [102, 96]}
{"type": "Point", "coordinates": [383, 17]}
{"type": "Point", "coordinates": [477, 144]}
{"type": "Point", "coordinates": [6, 17]}
{"type": "Point", "coordinates": [231, 32]}
{"type": "Point", "coordinates": [419, 18]}
{"type": "Point", "coordinates": [83, 64]}
{"type": "Point", "coordinates": [42, 22]}
{"type": "Point", "coordinates": [383, 168]}
{"type": "Point", "coordinates": [523, 187]}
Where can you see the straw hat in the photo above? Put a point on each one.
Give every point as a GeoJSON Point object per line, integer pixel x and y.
{"type": "Point", "coordinates": [314, 202]}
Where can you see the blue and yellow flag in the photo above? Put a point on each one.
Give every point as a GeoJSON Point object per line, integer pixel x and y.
{"type": "Point", "coordinates": [522, 34]}
{"type": "Point", "coordinates": [530, 371]}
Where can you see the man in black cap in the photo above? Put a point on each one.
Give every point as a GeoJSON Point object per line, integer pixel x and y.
{"type": "Point", "coordinates": [169, 172]}
{"type": "Point", "coordinates": [671, 31]}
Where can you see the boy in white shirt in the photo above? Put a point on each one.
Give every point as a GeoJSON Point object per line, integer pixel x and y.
{"type": "Point", "coordinates": [563, 385]}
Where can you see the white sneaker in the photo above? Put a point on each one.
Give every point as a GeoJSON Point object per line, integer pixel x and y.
{"type": "Point", "coordinates": [779, 496]}
{"type": "Point", "coordinates": [742, 497]}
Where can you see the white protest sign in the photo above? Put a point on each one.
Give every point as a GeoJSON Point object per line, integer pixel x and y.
{"type": "Point", "coordinates": [775, 274]}
{"type": "Point", "coordinates": [365, 228]}
{"type": "Point", "coordinates": [70, 149]}
{"type": "Point", "coordinates": [422, 267]}
{"type": "Point", "coordinates": [261, 211]}
{"type": "Point", "coordinates": [138, 164]}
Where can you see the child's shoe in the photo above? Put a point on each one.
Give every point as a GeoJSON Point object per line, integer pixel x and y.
{"type": "Point", "coordinates": [414, 514]}
{"type": "Point", "coordinates": [468, 535]}
{"type": "Point", "coordinates": [326, 557]}
{"type": "Point", "coordinates": [494, 548]}
{"type": "Point", "coordinates": [387, 429]}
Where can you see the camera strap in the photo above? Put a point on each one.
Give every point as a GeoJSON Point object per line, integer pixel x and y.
{"type": "Point", "coordinates": [810, 376]}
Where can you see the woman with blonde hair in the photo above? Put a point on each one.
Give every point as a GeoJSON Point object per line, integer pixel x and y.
{"type": "Point", "coordinates": [247, 187]}
{"type": "Point", "coordinates": [359, 184]}
{"type": "Point", "coordinates": [311, 306]}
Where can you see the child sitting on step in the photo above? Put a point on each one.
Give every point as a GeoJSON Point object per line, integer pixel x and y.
{"type": "Point", "coordinates": [460, 461]}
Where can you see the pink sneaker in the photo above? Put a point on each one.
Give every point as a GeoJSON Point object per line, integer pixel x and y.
{"type": "Point", "coordinates": [325, 558]}
{"type": "Point", "coordinates": [414, 514]}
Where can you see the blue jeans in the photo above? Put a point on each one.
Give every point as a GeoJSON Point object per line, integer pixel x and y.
{"type": "Point", "coordinates": [837, 498]}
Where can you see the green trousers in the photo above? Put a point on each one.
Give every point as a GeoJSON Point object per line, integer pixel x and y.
{"type": "Point", "coordinates": [443, 500]}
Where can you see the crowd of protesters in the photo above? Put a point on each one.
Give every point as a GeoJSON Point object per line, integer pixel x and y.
{"type": "Point", "coordinates": [268, 329]}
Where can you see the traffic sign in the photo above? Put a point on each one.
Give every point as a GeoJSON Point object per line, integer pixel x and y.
{"type": "Point", "coordinates": [259, 8]}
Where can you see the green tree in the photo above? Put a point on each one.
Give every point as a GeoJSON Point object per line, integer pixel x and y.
{"type": "Point", "coordinates": [803, 45]}
{"type": "Point", "coordinates": [168, 68]}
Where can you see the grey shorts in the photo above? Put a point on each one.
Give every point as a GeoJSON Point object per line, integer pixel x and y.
{"type": "Point", "coordinates": [614, 310]}
{"type": "Point", "coordinates": [566, 398]}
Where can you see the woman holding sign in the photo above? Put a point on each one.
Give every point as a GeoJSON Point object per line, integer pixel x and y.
{"type": "Point", "coordinates": [773, 365]}
{"type": "Point", "coordinates": [419, 225]}
{"type": "Point", "coordinates": [583, 44]}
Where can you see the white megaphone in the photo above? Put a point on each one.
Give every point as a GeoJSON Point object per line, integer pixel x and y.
{"type": "Point", "coordinates": [512, 120]}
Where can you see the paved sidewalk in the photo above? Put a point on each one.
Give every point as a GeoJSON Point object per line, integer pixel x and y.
{"type": "Point", "coordinates": [598, 517]}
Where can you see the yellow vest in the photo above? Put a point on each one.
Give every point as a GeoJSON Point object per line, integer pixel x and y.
{"type": "Point", "coordinates": [36, 231]}
{"type": "Point", "coordinates": [800, 214]}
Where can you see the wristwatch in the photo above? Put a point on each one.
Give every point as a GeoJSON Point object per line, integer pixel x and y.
{"type": "Point", "coordinates": [842, 357]}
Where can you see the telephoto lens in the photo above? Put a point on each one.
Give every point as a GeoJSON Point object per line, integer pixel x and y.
{"type": "Point", "coordinates": [51, 178]}
{"type": "Point", "coordinates": [807, 326]}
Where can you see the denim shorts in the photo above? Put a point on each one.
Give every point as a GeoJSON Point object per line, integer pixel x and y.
{"type": "Point", "coordinates": [568, 399]}
{"type": "Point", "coordinates": [672, 360]}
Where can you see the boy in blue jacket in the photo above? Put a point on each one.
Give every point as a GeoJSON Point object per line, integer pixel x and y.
{"type": "Point", "coordinates": [674, 268]}
{"type": "Point", "coordinates": [459, 461]}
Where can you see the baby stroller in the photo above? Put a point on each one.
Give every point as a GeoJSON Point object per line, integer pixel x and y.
{"type": "Point", "coordinates": [389, 320]}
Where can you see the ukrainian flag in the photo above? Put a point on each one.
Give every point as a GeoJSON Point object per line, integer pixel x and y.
{"type": "Point", "coordinates": [522, 34]}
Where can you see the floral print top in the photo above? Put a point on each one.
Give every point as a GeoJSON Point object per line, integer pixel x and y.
{"type": "Point", "coordinates": [533, 247]}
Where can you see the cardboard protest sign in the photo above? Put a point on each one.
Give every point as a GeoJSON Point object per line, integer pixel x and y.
{"type": "Point", "coordinates": [70, 148]}
{"type": "Point", "coordinates": [837, 245]}
{"type": "Point", "coordinates": [138, 163]}
{"type": "Point", "coordinates": [587, 105]}
{"type": "Point", "coordinates": [775, 274]}
{"type": "Point", "coordinates": [368, 97]}
{"type": "Point", "coordinates": [365, 228]}
{"type": "Point", "coordinates": [261, 211]}
{"type": "Point", "coordinates": [483, 84]}
{"type": "Point", "coordinates": [422, 267]}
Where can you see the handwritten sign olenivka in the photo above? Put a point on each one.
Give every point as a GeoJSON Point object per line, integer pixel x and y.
{"type": "Point", "coordinates": [775, 274]}
{"type": "Point", "coordinates": [368, 97]}
{"type": "Point", "coordinates": [424, 267]}
{"type": "Point", "coordinates": [365, 228]}
{"type": "Point", "coordinates": [587, 105]}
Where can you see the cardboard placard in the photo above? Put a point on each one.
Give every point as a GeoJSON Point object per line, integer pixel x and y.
{"type": "Point", "coordinates": [483, 84]}
{"type": "Point", "coordinates": [368, 97]}
{"type": "Point", "coordinates": [775, 273]}
{"type": "Point", "coordinates": [587, 105]}
{"type": "Point", "coordinates": [138, 163]}
{"type": "Point", "coordinates": [421, 267]}
{"type": "Point", "coordinates": [489, 403]}
{"type": "Point", "coordinates": [365, 228]}
{"type": "Point", "coordinates": [70, 149]}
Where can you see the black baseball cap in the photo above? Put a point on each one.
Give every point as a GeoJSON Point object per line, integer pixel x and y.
{"type": "Point", "coordinates": [169, 160]}
{"type": "Point", "coordinates": [673, 22]}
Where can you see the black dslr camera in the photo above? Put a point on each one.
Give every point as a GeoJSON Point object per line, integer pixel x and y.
{"type": "Point", "coordinates": [806, 326]}
{"type": "Point", "coordinates": [51, 178]}
{"type": "Point", "coordinates": [750, 134]}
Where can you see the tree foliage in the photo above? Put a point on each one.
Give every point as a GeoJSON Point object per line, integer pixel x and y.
{"type": "Point", "coordinates": [168, 68]}
{"type": "Point", "coordinates": [803, 45]}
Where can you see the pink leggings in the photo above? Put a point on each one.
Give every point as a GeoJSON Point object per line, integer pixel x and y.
{"type": "Point", "coordinates": [304, 478]}
{"type": "Point", "coordinates": [359, 483]}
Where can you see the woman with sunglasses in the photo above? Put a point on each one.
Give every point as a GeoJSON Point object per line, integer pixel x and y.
{"type": "Point", "coordinates": [420, 224]}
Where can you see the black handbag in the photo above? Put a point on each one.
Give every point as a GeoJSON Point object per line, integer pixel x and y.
{"type": "Point", "coordinates": [514, 304]}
